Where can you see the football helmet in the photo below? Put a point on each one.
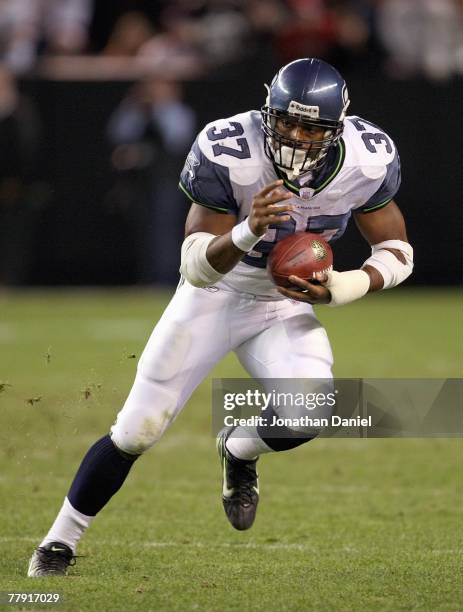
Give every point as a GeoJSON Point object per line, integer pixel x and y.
{"type": "Point", "coordinates": [309, 93]}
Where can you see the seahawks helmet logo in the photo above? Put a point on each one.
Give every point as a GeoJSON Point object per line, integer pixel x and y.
{"type": "Point", "coordinates": [346, 102]}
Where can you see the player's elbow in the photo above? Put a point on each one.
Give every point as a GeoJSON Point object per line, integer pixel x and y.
{"type": "Point", "coordinates": [394, 261]}
{"type": "Point", "coordinates": [194, 266]}
{"type": "Point", "coordinates": [409, 264]}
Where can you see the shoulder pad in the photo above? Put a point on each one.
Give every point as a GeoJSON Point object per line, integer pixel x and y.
{"type": "Point", "coordinates": [368, 147]}
{"type": "Point", "coordinates": [235, 142]}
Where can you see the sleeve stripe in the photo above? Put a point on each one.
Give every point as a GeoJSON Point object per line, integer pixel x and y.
{"type": "Point", "coordinates": [182, 188]}
{"type": "Point", "coordinates": [376, 206]}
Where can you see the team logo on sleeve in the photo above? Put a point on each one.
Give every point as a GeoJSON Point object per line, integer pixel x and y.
{"type": "Point", "coordinates": [191, 164]}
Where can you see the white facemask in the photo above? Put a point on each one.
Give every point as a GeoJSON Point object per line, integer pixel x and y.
{"type": "Point", "coordinates": [298, 161]}
{"type": "Point", "coordinates": [299, 157]}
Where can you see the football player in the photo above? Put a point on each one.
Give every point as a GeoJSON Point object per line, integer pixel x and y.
{"type": "Point", "coordinates": [299, 164]}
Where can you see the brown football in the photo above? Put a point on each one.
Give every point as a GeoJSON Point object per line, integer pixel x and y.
{"type": "Point", "coordinates": [301, 254]}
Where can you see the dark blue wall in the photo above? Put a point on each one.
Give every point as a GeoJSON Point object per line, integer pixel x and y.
{"type": "Point", "coordinates": [80, 238]}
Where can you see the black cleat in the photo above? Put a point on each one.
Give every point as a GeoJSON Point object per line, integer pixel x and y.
{"type": "Point", "coordinates": [240, 486]}
{"type": "Point", "coordinates": [53, 559]}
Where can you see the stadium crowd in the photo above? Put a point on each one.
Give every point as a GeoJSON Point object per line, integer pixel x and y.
{"type": "Point", "coordinates": [159, 47]}
{"type": "Point", "coordinates": [189, 38]}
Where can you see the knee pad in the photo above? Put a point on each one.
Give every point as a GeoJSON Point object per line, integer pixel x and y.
{"type": "Point", "coordinates": [148, 411]}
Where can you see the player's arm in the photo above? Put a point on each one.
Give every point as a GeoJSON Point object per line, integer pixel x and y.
{"type": "Point", "coordinates": [214, 243]}
{"type": "Point", "coordinates": [384, 230]}
{"type": "Point", "coordinates": [391, 262]}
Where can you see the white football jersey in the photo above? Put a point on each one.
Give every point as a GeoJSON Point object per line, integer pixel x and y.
{"type": "Point", "coordinates": [227, 167]}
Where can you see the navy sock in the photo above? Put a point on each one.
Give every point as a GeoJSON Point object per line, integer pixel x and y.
{"type": "Point", "coordinates": [279, 437]}
{"type": "Point", "coordinates": [101, 474]}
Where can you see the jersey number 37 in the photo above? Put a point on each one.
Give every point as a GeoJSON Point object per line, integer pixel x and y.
{"type": "Point", "coordinates": [241, 152]}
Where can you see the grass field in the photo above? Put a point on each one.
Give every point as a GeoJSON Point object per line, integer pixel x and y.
{"type": "Point", "coordinates": [342, 525]}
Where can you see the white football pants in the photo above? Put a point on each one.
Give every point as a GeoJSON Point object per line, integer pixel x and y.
{"type": "Point", "coordinates": [272, 339]}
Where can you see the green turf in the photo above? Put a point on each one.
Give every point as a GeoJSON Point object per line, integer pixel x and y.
{"type": "Point", "coordinates": [342, 525]}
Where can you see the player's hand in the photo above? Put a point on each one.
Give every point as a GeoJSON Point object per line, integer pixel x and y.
{"type": "Point", "coordinates": [308, 292]}
{"type": "Point", "coordinates": [267, 208]}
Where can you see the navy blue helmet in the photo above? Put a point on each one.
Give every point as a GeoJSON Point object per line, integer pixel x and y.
{"type": "Point", "coordinates": [312, 94]}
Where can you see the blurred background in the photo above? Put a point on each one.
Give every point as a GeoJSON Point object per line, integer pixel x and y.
{"type": "Point", "coordinates": [100, 102]}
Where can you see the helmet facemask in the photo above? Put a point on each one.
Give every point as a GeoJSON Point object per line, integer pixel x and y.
{"type": "Point", "coordinates": [310, 94]}
{"type": "Point", "coordinates": [296, 157]}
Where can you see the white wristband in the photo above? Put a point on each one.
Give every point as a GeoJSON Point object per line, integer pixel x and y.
{"type": "Point", "coordinates": [346, 287]}
{"type": "Point", "coordinates": [243, 238]}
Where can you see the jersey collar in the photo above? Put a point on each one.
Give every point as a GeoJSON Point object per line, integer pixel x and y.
{"type": "Point", "coordinates": [322, 179]}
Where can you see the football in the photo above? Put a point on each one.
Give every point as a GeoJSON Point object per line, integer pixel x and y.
{"type": "Point", "coordinates": [301, 254]}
